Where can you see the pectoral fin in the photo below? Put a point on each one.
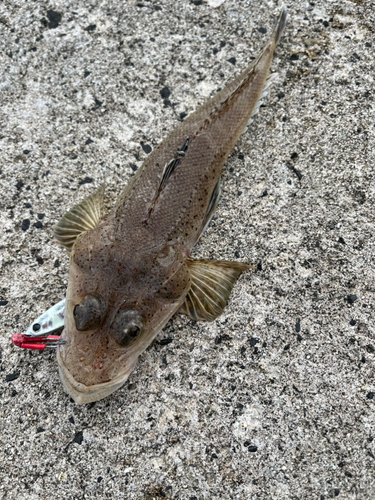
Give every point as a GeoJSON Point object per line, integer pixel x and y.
{"type": "Point", "coordinates": [80, 218]}
{"type": "Point", "coordinates": [212, 282]}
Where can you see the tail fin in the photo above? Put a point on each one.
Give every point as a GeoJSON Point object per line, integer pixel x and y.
{"type": "Point", "coordinates": [280, 26]}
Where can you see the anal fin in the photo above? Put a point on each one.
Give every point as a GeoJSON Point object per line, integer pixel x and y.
{"type": "Point", "coordinates": [80, 218]}
{"type": "Point", "coordinates": [212, 282]}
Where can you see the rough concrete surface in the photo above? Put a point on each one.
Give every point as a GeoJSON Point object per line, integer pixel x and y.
{"type": "Point", "coordinates": [275, 399]}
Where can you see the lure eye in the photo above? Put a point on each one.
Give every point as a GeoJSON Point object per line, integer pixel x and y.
{"type": "Point", "coordinates": [127, 327]}
{"type": "Point", "coordinates": [88, 313]}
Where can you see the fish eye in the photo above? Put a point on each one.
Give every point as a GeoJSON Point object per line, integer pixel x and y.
{"type": "Point", "coordinates": [88, 313]}
{"type": "Point", "coordinates": [127, 327]}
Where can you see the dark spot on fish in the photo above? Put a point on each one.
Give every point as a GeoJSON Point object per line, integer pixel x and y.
{"type": "Point", "coordinates": [54, 19]}
{"type": "Point", "coordinates": [91, 27]}
{"type": "Point", "coordinates": [25, 224]}
{"type": "Point", "coordinates": [146, 148]}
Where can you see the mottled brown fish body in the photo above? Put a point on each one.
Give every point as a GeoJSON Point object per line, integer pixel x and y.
{"type": "Point", "coordinates": [213, 130]}
{"type": "Point", "coordinates": [131, 271]}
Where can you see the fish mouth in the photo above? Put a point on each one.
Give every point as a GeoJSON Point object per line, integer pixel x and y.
{"type": "Point", "coordinates": [83, 394]}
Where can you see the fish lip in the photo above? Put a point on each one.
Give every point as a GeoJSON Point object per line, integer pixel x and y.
{"type": "Point", "coordinates": [83, 394]}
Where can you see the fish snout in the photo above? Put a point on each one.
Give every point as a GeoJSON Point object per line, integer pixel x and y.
{"type": "Point", "coordinates": [92, 381]}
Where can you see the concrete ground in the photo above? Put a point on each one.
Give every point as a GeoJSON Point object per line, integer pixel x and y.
{"type": "Point", "coordinates": [275, 399]}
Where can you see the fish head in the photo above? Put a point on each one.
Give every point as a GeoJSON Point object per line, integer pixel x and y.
{"type": "Point", "coordinates": [116, 303]}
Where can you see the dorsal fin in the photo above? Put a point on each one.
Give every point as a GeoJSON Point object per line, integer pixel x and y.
{"type": "Point", "coordinates": [167, 172]}
{"type": "Point", "coordinates": [80, 218]}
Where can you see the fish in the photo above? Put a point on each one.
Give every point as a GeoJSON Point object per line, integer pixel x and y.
{"type": "Point", "coordinates": [131, 269]}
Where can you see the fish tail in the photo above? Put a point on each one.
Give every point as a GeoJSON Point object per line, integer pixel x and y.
{"type": "Point", "coordinates": [280, 27]}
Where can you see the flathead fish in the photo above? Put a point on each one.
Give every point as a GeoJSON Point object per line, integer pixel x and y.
{"type": "Point", "coordinates": [131, 270]}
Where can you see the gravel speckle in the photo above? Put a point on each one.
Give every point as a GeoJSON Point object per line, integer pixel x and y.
{"type": "Point", "coordinates": [25, 224]}
{"type": "Point", "coordinates": [54, 19]}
